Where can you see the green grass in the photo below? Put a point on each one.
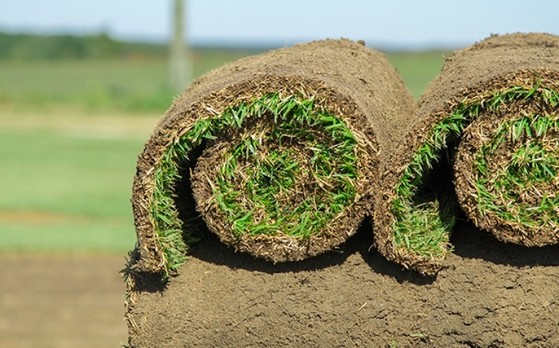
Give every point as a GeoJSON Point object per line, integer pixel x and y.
{"type": "Point", "coordinates": [423, 220]}
{"type": "Point", "coordinates": [91, 85]}
{"type": "Point", "coordinates": [85, 179]}
{"type": "Point", "coordinates": [66, 192]}
{"type": "Point", "coordinates": [265, 200]}
{"type": "Point", "coordinates": [87, 236]}
{"type": "Point", "coordinates": [417, 68]}
{"type": "Point", "coordinates": [253, 177]}
{"type": "Point", "coordinates": [530, 172]}
{"type": "Point", "coordinates": [125, 85]}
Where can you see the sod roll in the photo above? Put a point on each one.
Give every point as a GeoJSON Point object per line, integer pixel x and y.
{"type": "Point", "coordinates": [485, 139]}
{"type": "Point", "coordinates": [278, 154]}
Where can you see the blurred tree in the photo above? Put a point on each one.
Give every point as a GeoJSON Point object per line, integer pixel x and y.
{"type": "Point", "coordinates": [180, 66]}
{"type": "Point", "coordinates": [26, 47]}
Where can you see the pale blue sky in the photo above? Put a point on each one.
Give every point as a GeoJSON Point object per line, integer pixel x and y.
{"type": "Point", "coordinates": [388, 23]}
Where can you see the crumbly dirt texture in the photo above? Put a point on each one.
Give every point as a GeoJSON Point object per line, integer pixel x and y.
{"type": "Point", "coordinates": [348, 80]}
{"type": "Point", "coordinates": [489, 294]}
{"type": "Point", "coordinates": [495, 63]}
{"type": "Point", "coordinates": [61, 301]}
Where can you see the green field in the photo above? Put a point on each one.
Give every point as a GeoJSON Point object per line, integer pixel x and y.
{"type": "Point", "coordinates": [70, 132]}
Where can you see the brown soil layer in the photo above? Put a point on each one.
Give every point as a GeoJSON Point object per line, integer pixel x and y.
{"type": "Point", "coordinates": [496, 63]}
{"type": "Point", "coordinates": [62, 301]}
{"type": "Point", "coordinates": [490, 294]}
{"type": "Point", "coordinates": [347, 80]}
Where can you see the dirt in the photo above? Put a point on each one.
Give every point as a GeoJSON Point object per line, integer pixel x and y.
{"type": "Point", "coordinates": [346, 79]}
{"type": "Point", "coordinates": [35, 217]}
{"type": "Point", "coordinates": [495, 63]}
{"type": "Point", "coordinates": [61, 301]}
{"type": "Point", "coordinates": [489, 294]}
{"type": "Point", "coordinates": [79, 123]}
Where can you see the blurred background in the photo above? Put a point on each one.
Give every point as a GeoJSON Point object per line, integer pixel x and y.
{"type": "Point", "coordinates": [82, 85]}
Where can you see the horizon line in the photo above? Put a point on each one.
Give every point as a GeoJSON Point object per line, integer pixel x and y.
{"type": "Point", "coordinates": [247, 43]}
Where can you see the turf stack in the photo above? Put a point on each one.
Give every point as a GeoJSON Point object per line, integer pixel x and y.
{"type": "Point", "coordinates": [485, 138]}
{"type": "Point", "coordinates": [278, 153]}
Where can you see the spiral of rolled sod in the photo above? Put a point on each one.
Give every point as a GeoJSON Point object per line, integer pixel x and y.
{"type": "Point", "coordinates": [278, 154]}
{"type": "Point", "coordinates": [485, 139]}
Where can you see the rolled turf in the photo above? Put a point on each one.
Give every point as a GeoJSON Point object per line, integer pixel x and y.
{"type": "Point", "coordinates": [485, 138]}
{"type": "Point", "coordinates": [278, 154]}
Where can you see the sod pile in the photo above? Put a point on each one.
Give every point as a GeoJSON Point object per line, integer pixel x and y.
{"type": "Point", "coordinates": [278, 154]}
{"type": "Point", "coordinates": [484, 141]}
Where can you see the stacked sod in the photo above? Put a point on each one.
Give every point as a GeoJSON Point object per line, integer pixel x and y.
{"type": "Point", "coordinates": [485, 139]}
{"type": "Point", "coordinates": [277, 154]}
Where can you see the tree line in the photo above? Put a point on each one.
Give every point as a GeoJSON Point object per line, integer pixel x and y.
{"type": "Point", "coordinates": [55, 47]}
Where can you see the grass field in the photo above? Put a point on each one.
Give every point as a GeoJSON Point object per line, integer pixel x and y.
{"type": "Point", "coordinates": [69, 135]}
{"type": "Point", "coordinates": [128, 85]}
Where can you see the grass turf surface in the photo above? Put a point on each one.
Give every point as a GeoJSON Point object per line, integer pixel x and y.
{"type": "Point", "coordinates": [66, 173]}
{"type": "Point", "coordinates": [423, 222]}
{"type": "Point", "coordinates": [260, 169]}
{"type": "Point", "coordinates": [62, 191]}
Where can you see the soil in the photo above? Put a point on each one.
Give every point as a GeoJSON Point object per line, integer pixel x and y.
{"type": "Point", "coordinates": [496, 62]}
{"type": "Point", "coordinates": [356, 84]}
{"type": "Point", "coordinates": [61, 301]}
{"type": "Point", "coordinates": [489, 294]}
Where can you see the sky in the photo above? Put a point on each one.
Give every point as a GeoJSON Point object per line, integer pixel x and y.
{"type": "Point", "coordinates": [400, 24]}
